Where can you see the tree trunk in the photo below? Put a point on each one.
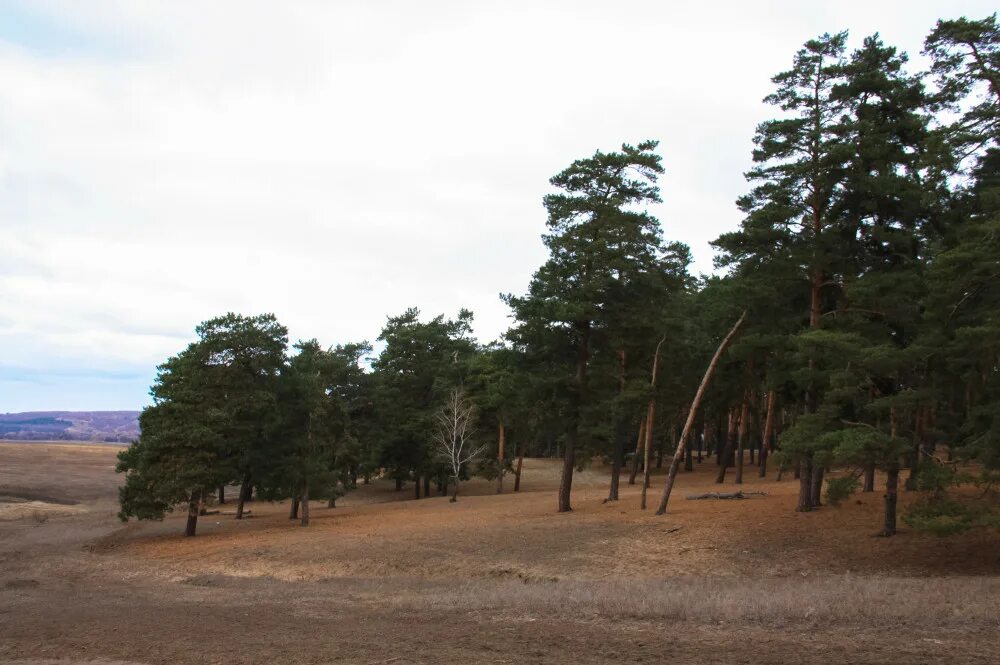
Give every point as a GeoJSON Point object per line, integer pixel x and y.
{"type": "Point", "coordinates": [616, 465]}
{"type": "Point", "coordinates": [517, 469]}
{"type": "Point", "coordinates": [650, 423]}
{"type": "Point", "coordinates": [454, 492]}
{"type": "Point", "coordinates": [222, 494]}
{"type": "Point", "coordinates": [621, 434]}
{"type": "Point", "coordinates": [891, 483]}
{"type": "Point", "coordinates": [192, 520]}
{"type": "Point", "coordinates": [700, 438]}
{"type": "Point", "coordinates": [816, 486]}
{"type": "Point", "coordinates": [416, 486]}
{"type": "Point", "coordinates": [891, 487]}
{"type": "Point", "coordinates": [816, 286]}
{"type": "Point", "coordinates": [712, 446]}
{"type": "Point", "coordinates": [869, 484]}
{"type": "Point", "coordinates": [638, 451]}
{"type": "Point", "coordinates": [427, 485]}
{"type": "Point", "coordinates": [566, 480]}
{"type": "Point", "coordinates": [501, 442]}
{"type": "Point", "coordinates": [305, 505]}
{"type": "Point", "coordinates": [688, 453]}
{"type": "Point", "coordinates": [765, 441]}
{"type": "Point", "coordinates": [911, 480]}
{"type": "Point", "coordinates": [805, 486]}
{"type": "Point", "coordinates": [815, 307]}
{"type": "Point", "coordinates": [720, 438]}
{"type": "Point", "coordinates": [579, 400]}
{"type": "Point", "coordinates": [726, 455]}
{"type": "Point", "coordinates": [668, 485]}
{"type": "Point", "coordinates": [444, 492]}
{"type": "Point", "coordinates": [244, 493]}
{"type": "Point", "coordinates": [647, 447]}
{"type": "Point", "coordinates": [293, 510]}
{"type": "Point", "coordinates": [930, 419]}
{"type": "Point", "coordinates": [740, 440]}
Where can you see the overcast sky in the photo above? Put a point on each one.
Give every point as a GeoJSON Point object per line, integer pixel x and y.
{"type": "Point", "coordinates": [336, 162]}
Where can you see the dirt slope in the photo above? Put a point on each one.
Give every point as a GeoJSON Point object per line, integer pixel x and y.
{"type": "Point", "coordinates": [383, 578]}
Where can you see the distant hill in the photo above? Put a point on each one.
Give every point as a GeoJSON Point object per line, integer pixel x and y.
{"type": "Point", "coordinates": [106, 426]}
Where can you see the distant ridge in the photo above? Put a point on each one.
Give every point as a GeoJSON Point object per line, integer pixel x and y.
{"type": "Point", "coordinates": [101, 426]}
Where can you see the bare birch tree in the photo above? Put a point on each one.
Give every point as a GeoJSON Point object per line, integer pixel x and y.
{"type": "Point", "coordinates": [455, 425]}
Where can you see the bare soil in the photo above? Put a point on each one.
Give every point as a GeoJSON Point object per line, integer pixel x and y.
{"type": "Point", "coordinates": [382, 578]}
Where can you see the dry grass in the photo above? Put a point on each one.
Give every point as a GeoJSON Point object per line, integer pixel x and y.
{"type": "Point", "coordinates": [489, 579]}
{"type": "Point", "coordinates": [955, 602]}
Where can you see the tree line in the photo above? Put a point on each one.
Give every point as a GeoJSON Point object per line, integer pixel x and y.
{"type": "Point", "coordinates": [862, 282]}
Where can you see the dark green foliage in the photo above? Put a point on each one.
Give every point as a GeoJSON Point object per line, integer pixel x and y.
{"type": "Point", "coordinates": [949, 516]}
{"type": "Point", "coordinates": [179, 451]}
{"type": "Point", "coordinates": [965, 57]}
{"type": "Point", "coordinates": [245, 356]}
{"type": "Point", "coordinates": [313, 427]}
{"type": "Point", "coordinates": [867, 260]}
{"type": "Point", "coordinates": [420, 363]}
{"type": "Point", "coordinates": [838, 489]}
{"type": "Point", "coordinates": [606, 279]}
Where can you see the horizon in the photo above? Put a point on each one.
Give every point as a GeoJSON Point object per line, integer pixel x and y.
{"type": "Point", "coordinates": [336, 165]}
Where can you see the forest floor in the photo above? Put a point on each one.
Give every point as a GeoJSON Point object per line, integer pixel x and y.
{"type": "Point", "coordinates": [382, 578]}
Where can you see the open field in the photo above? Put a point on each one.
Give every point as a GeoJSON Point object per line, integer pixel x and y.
{"type": "Point", "coordinates": [383, 578]}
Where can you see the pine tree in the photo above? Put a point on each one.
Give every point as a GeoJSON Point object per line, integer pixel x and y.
{"type": "Point", "coordinates": [497, 386]}
{"type": "Point", "coordinates": [788, 235]}
{"type": "Point", "coordinates": [420, 363]}
{"type": "Point", "coordinates": [176, 458]}
{"type": "Point", "coordinates": [245, 355]}
{"type": "Point", "coordinates": [599, 238]}
{"type": "Point", "coordinates": [314, 422]}
{"type": "Point", "coordinates": [962, 327]}
{"type": "Point", "coordinates": [212, 421]}
{"type": "Point", "coordinates": [965, 58]}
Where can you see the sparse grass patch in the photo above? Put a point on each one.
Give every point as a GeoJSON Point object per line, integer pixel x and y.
{"type": "Point", "coordinates": [845, 600]}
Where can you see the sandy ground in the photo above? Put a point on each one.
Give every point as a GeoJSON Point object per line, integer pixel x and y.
{"type": "Point", "coordinates": [383, 578]}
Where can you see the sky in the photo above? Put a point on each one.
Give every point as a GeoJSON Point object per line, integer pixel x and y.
{"type": "Point", "coordinates": [337, 162]}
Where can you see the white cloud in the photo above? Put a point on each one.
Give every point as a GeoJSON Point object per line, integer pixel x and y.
{"type": "Point", "coordinates": [338, 162]}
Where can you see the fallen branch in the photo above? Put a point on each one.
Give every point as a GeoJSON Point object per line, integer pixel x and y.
{"type": "Point", "coordinates": [724, 495]}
